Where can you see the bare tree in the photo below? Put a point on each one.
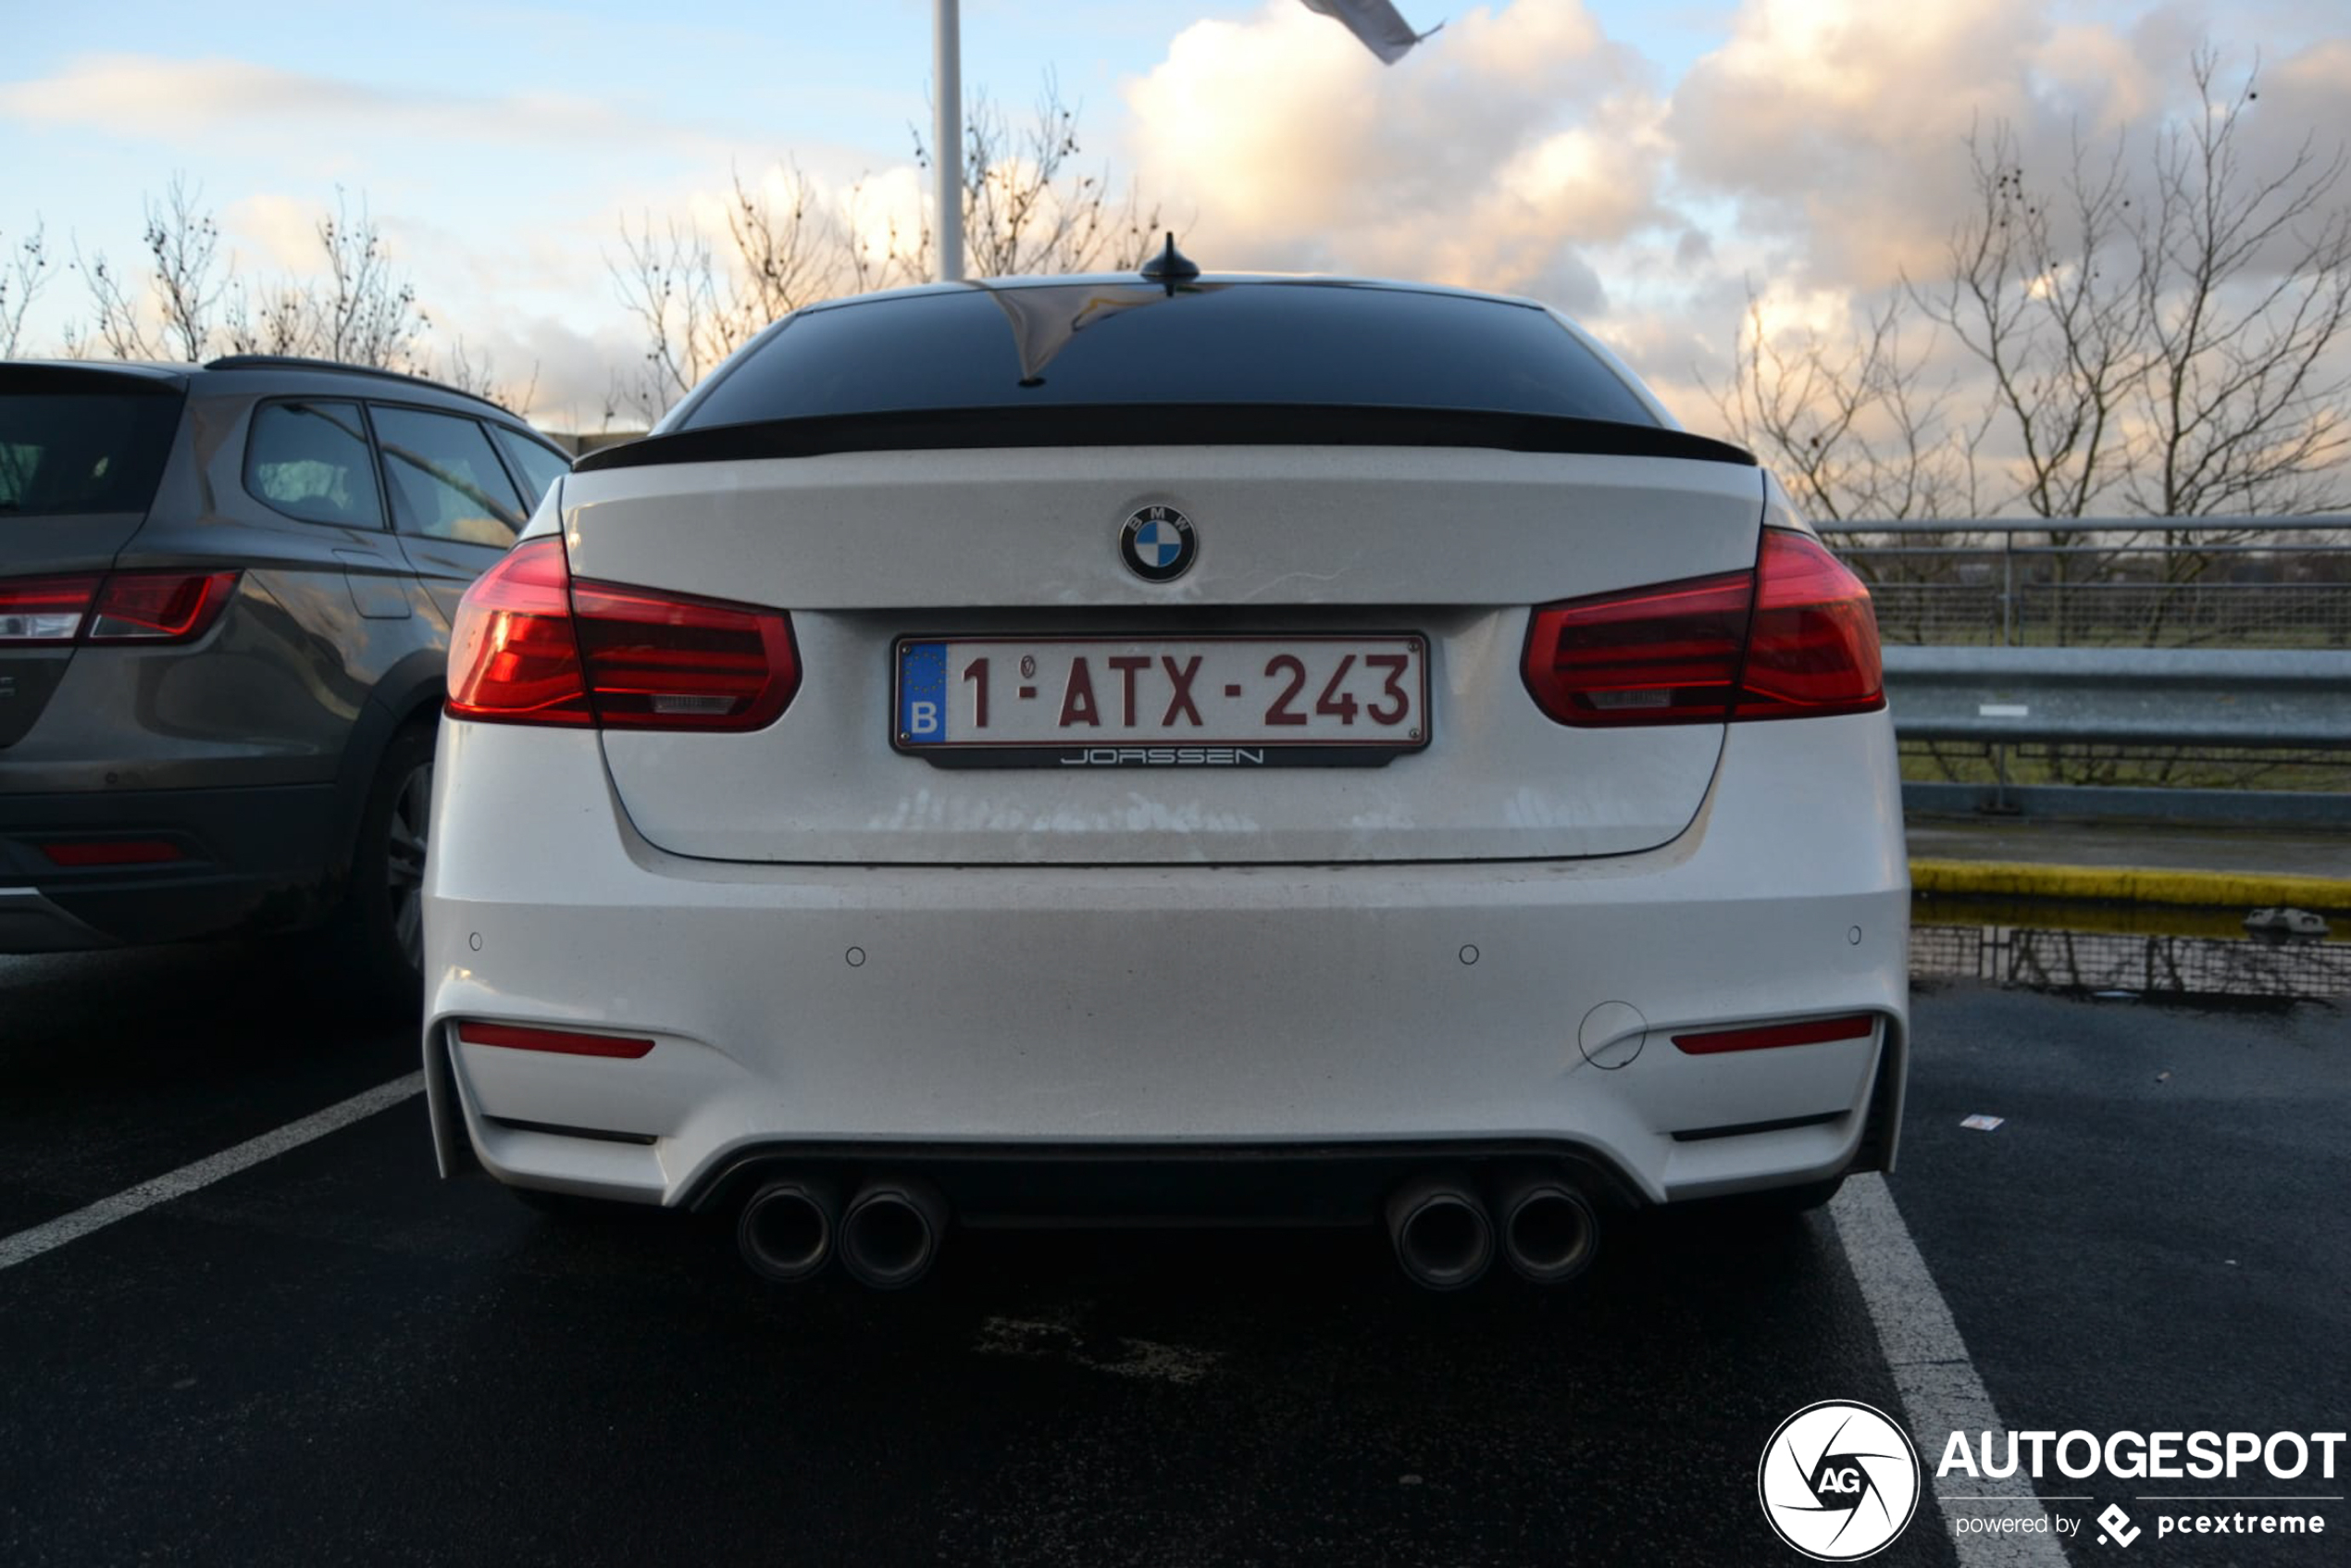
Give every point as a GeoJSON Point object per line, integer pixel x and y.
{"type": "Point", "coordinates": [183, 288]}
{"type": "Point", "coordinates": [363, 312]}
{"type": "Point", "coordinates": [367, 313]}
{"type": "Point", "coordinates": [2160, 326]}
{"type": "Point", "coordinates": [358, 308]}
{"type": "Point", "coordinates": [184, 239]}
{"type": "Point", "coordinates": [2169, 331]}
{"type": "Point", "coordinates": [1027, 208]}
{"type": "Point", "coordinates": [21, 281]}
{"type": "Point", "coordinates": [2244, 290]}
{"type": "Point", "coordinates": [477, 372]}
{"type": "Point", "coordinates": [1853, 429]}
{"type": "Point", "coordinates": [118, 332]}
{"type": "Point", "coordinates": [790, 250]}
{"type": "Point", "coordinates": [2041, 292]}
{"type": "Point", "coordinates": [669, 283]}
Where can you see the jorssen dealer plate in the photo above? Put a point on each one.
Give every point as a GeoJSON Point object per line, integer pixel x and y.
{"type": "Point", "coordinates": [1160, 702]}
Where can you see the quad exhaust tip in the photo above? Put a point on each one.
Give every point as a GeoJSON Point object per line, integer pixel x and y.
{"type": "Point", "coordinates": [890, 1232]}
{"type": "Point", "coordinates": [1550, 1231]}
{"type": "Point", "coordinates": [1438, 1226]}
{"type": "Point", "coordinates": [1446, 1234]}
{"type": "Point", "coordinates": [787, 1229]}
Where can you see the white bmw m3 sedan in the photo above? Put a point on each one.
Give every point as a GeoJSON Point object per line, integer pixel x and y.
{"type": "Point", "coordinates": [1165, 747]}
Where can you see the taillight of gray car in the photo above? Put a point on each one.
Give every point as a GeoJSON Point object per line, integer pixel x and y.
{"type": "Point", "coordinates": [1236, 748]}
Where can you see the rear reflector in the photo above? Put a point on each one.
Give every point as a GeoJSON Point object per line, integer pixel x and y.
{"type": "Point", "coordinates": [532, 646]}
{"type": "Point", "coordinates": [1792, 638]}
{"type": "Point", "coordinates": [114, 851]}
{"type": "Point", "coordinates": [119, 607]}
{"type": "Point", "coordinates": [564, 1042]}
{"type": "Point", "coordinates": [1816, 1031]}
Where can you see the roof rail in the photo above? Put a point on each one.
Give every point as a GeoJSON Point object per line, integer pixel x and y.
{"type": "Point", "coordinates": [304, 362]}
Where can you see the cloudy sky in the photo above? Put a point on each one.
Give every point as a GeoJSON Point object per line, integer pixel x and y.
{"type": "Point", "coordinates": [1643, 166]}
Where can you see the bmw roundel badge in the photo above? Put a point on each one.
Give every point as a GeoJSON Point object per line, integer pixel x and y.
{"type": "Point", "coordinates": [1158, 543]}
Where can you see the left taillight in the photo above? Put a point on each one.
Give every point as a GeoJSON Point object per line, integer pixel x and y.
{"type": "Point", "coordinates": [533, 646]}
{"type": "Point", "coordinates": [112, 607]}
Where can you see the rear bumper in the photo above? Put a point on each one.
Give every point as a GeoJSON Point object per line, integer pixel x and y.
{"type": "Point", "coordinates": [254, 859]}
{"type": "Point", "coordinates": [866, 1012]}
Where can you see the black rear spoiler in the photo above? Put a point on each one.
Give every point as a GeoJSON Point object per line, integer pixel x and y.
{"type": "Point", "coordinates": [1170, 424]}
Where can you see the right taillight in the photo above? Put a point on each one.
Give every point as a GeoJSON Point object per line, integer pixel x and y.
{"type": "Point", "coordinates": [1814, 649]}
{"type": "Point", "coordinates": [532, 646]}
{"type": "Point", "coordinates": [1792, 638]}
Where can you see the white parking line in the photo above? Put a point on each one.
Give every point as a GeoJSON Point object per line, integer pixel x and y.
{"type": "Point", "coordinates": [29, 1244]}
{"type": "Point", "coordinates": [1941, 1392]}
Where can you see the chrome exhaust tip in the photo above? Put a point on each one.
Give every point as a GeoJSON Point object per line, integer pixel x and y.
{"type": "Point", "coordinates": [890, 1232]}
{"type": "Point", "coordinates": [1550, 1230]}
{"type": "Point", "coordinates": [785, 1230]}
{"type": "Point", "coordinates": [1438, 1227]}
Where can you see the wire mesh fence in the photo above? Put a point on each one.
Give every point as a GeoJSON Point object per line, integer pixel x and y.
{"type": "Point", "coordinates": [2136, 582]}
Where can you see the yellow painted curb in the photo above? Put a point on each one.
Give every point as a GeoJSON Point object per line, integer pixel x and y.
{"type": "Point", "coordinates": [2124, 884]}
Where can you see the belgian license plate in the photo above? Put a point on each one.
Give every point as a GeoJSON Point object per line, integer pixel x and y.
{"type": "Point", "coordinates": [1159, 702]}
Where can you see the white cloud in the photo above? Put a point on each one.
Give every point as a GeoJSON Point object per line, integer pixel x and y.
{"type": "Point", "coordinates": [1837, 125]}
{"type": "Point", "coordinates": [1497, 154]}
{"type": "Point", "coordinates": [178, 100]}
{"type": "Point", "coordinates": [275, 228]}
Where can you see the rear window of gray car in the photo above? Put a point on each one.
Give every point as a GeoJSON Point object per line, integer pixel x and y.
{"type": "Point", "coordinates": [68, 446]}
{"type": "Point", "coordinates": [1098, 344]}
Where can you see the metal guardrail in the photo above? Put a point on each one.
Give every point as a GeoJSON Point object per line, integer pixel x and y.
{"type": "Point", "coordinates": [2123, 696]}
{"type": "Point", "coordinates": [2216, 699]}
{"type": "Point", "coordinates": [2147, 637]}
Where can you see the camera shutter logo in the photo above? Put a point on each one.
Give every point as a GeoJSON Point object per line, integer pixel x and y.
{"type": "Point", "coordinates": [1839, 1480]}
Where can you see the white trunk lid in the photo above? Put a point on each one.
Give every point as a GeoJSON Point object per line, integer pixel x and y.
{"type": "Point", "coordinates": [1450, 544]}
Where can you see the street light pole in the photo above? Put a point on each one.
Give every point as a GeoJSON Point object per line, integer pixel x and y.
{"type": "Point", "coordinates": [947, 136]}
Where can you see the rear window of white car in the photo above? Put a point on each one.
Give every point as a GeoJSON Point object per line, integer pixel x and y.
{"type": "Point", "coordinates": [1115, 343]}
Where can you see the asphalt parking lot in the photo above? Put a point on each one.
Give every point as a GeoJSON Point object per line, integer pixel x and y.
{"type": "Point", "coordinates": [330, 1354]}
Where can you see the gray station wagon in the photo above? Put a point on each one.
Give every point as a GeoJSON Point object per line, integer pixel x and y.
{"type": "Point", "coordinates": [225, 593]}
